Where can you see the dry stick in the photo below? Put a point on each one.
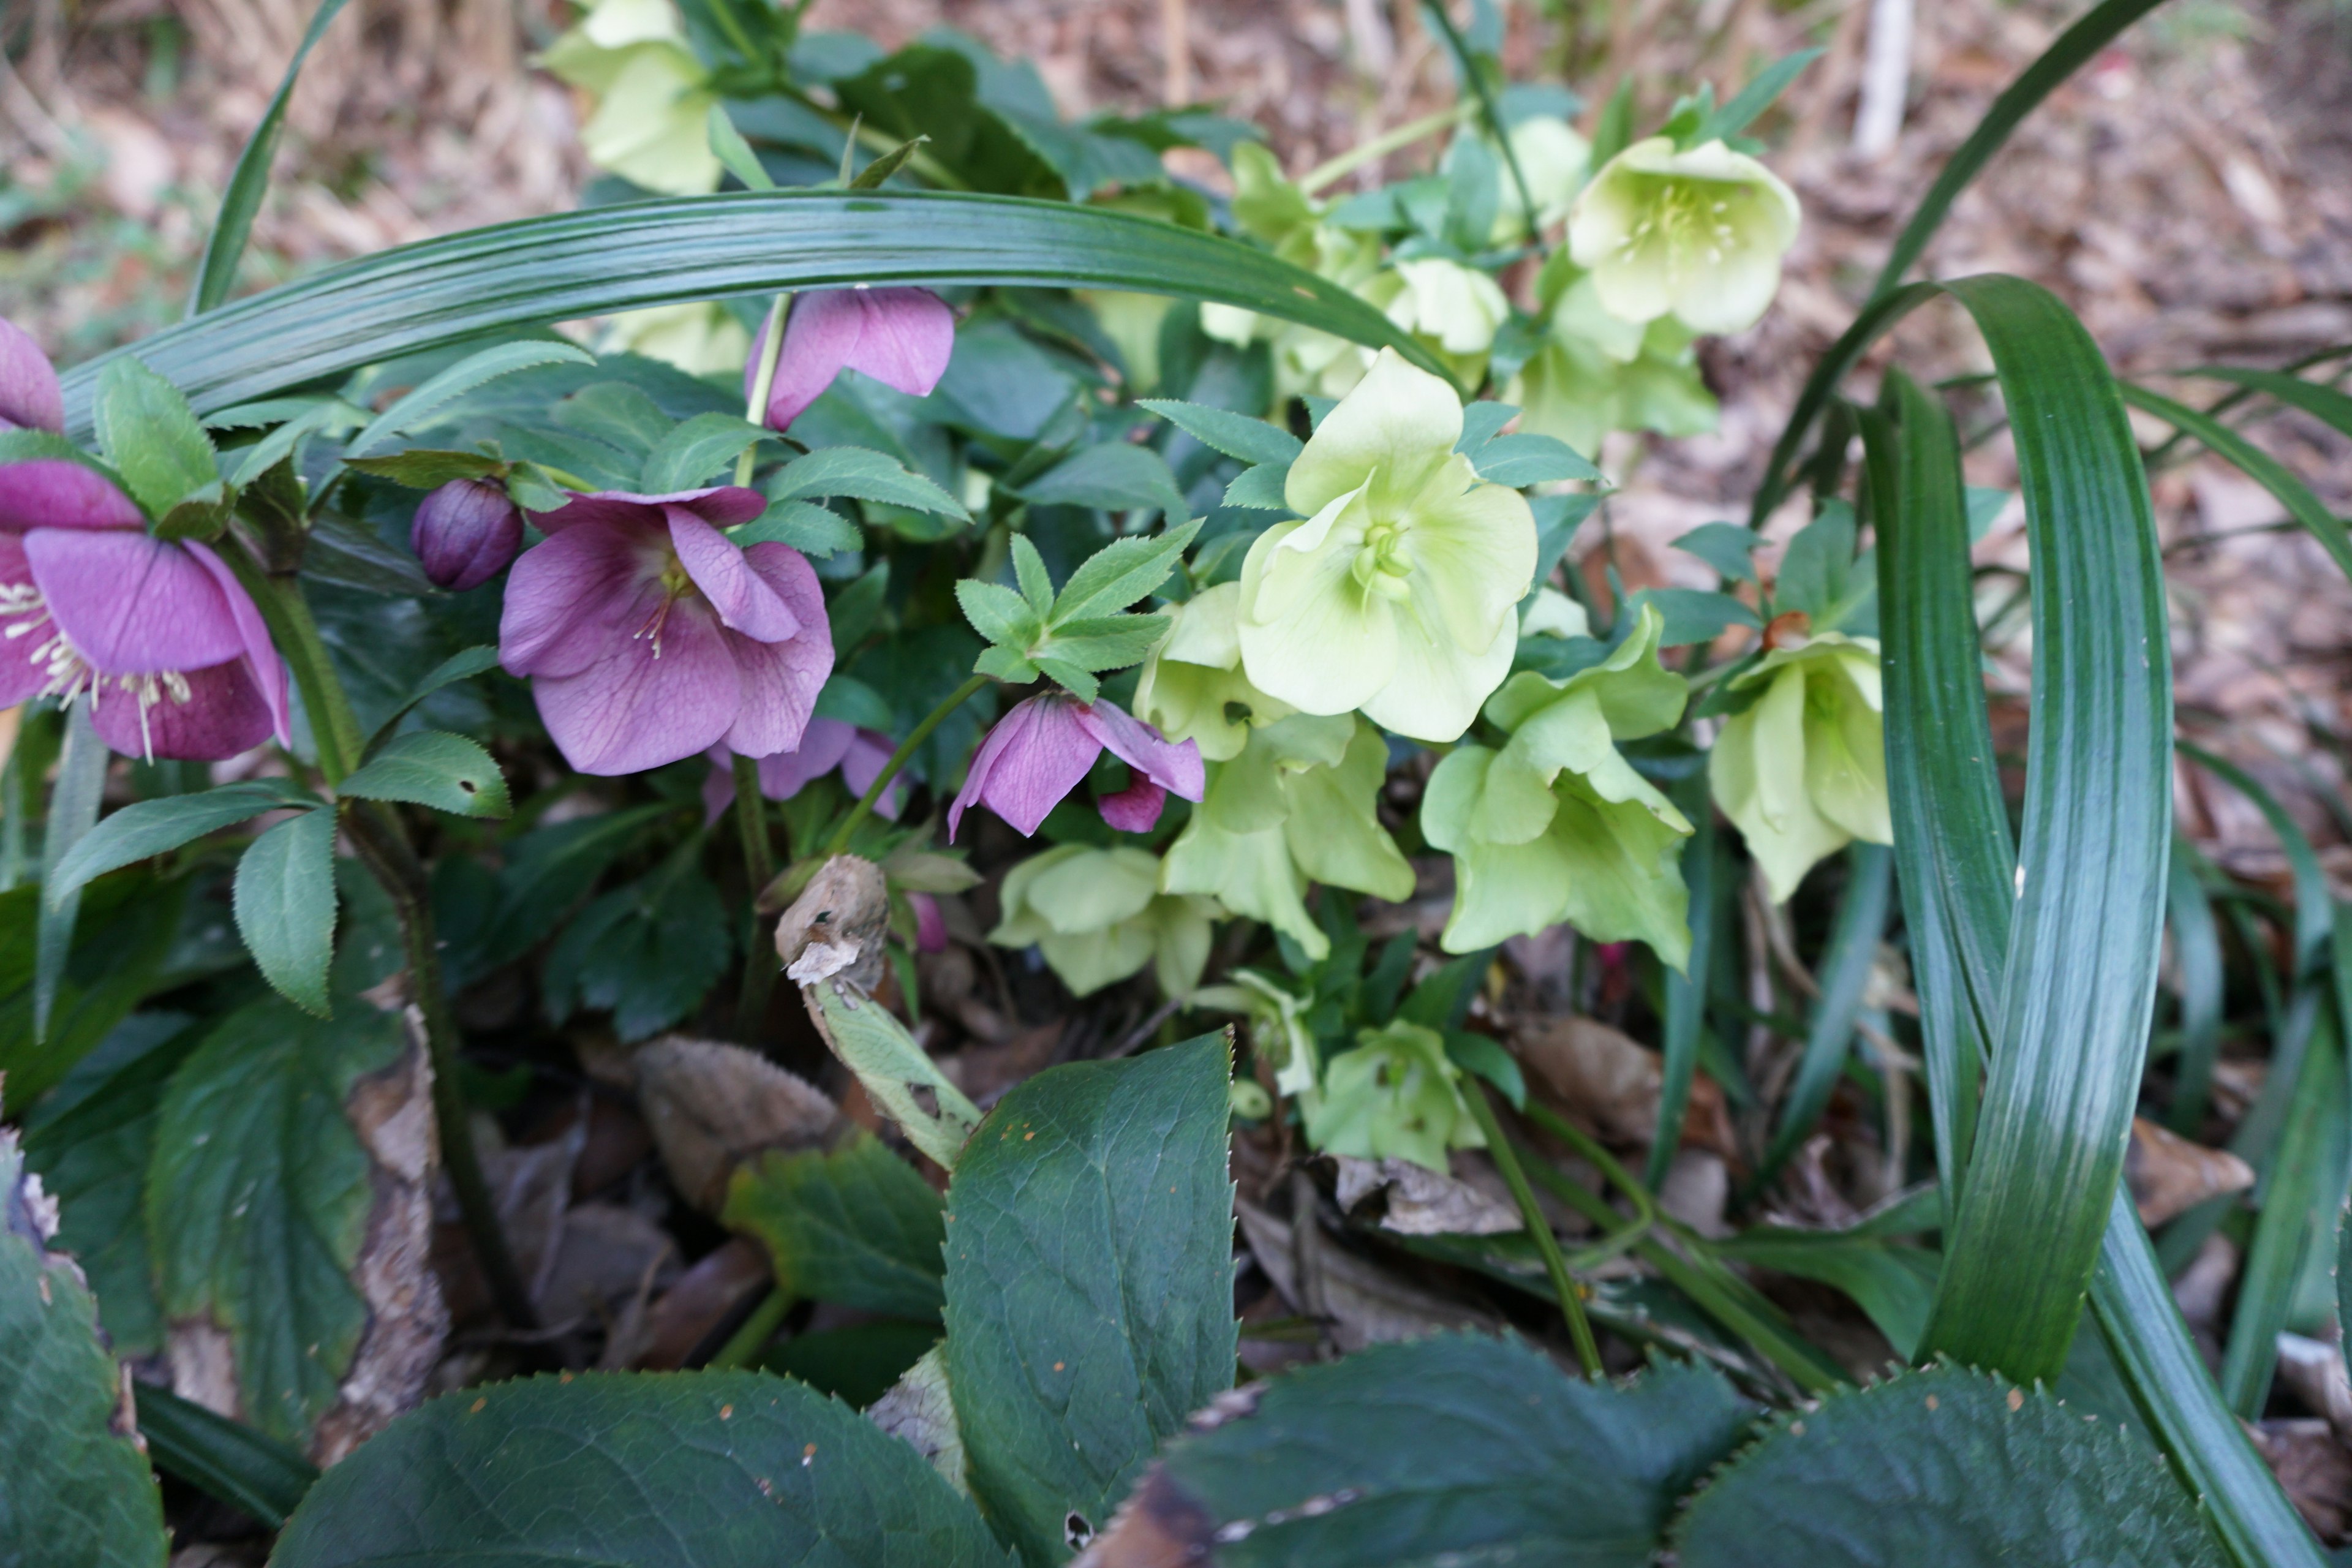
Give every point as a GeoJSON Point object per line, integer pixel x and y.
{"type": "Point", "coordinates": [1506, 1161]}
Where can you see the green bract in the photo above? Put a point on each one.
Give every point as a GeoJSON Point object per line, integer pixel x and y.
{"type": "Point", "coordinates": [1557, 826]}
{"type": "Point", "coordinates": [651, 124]}
{"type": "Point", "coordinates": [1395, 595]}
{"type": "Point", "coordinates": [1803, 771]}
{"type": "Point", "coordinates": [1277, 1031]}
{"type": "Point", "coordinates": [1596, 372]}
{"type": "Point", "coordinates": [1098, 916]}
{"type": "Point", "coordinates": [1696, 234]}
{"type": "Point", "coordinates": [1193, 680]}
{"type": "Point", "coordinates": [1297, 806]}
{"type": "Point", "coordinates": [1394, 1094]}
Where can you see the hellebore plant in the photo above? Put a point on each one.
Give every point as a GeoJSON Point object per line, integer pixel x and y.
{"type": "Point", "coordinates": [1098, 916]}
{"type": "Point", "coordinates": [1696, 235]}
{"type": "Point", "coordinates": [1046, 746]}
{"type": "Point", "coordinates": [1452, 309]}
{"type": "Point", "coordinates": [901, 337]}
{"type": "Point", "coordinates": [1803, 769]}
{"type": "Point", "coordinates": [825, 745]}
{"type": "Point", "coordinates": [1394, 1093]}
{"type": "Point", "coordinates": [1555, 161]}
{"type": "Point", "coordinates": [1596, 372]}
{"type": "Point", "coordinates": [652, 99]}
{"type": "Point", "coordinates": [649, 635]}
{"type": "Point", "coordinates": [465, 533]}
{"type": "Point", "coordinates": [1396, 594]}
{"type": "Point", "coordinates": [1556, 824]}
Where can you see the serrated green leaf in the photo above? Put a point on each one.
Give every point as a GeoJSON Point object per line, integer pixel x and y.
{"type": "Point", "coordinates": [332, 414]}
{"type": "Point", "coordinates": [1004, 664]}
{"type": "Point", "coordinates": [734, 153]}
{"type": "Point", "coordinates": [1949, 1467]}
{"type": "Point", "coordinates": [1115, 476]}
{"type": "Point", "coordinates": [1122, 573]}
{"type": "Point", "coordinates": [78, 1493]}
{"type": "Point", "coordinates": [1254, 441]}
{"type": "Point", "coordinates": [998, 614]}
{"type": "Point", "coordinates": [1527, 458]}
{"type": "Point", "coordinates": [258, 1199]}
{"type": "Point", "coordinates": [1449, 1449]}
{"type": "Point", "coordinates": [1726, 546]}
{"type": "Point", "coordinates": [866, 475]}
{"type": "Point", "coordinates": [152, 437]}
{"type": "Point", "coordinates": [696, 450]}
{"type": "Point", "coordinates": [812, 531]}
{"type": "Point", "coordinates": [1102, 642]}
{"type": "Point", "coordinates": [719, 1469]}
{"type": "Point", "coordinates": [1074, 677]}
{"type": "Point", "coordinates": [854, 1225]}
{"type": "Point", "coordinates": [648, 952]}
{"type": "Point", "coordinates": [874, 175]}
{"type": "Point", "coordinates": [153, 826]}
{"type": "Point", "coordinates": [1260, 488]}
{"type": "Point", "coordinates": [549, 869]}
{"type": "Point", "coordinates": [1029, 571]}
{"type": "Point", "coordinates": [284, 899]}
{"type": "Point", "coordinates": [1089, 1283]}
{"type": "Point", "coordinates": [426, 469]}
{"type": "Point", "coordinates": [447, 772]}
{"type": "Point", "coordinates": [463, 665]}
{"type": "Point", "coordinates": [419, 407]}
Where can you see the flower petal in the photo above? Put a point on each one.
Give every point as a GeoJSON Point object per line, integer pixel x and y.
{"type": "Point", "coordinates": [1398, 424]}
{"type": "Point", "coordinates": [823, 745]}
{"type": "Point", "coordinates": [782, 679]}
{"type": "Point", "coordinates": [635, 709]}
{"type": "Point", "coordinates": [262, 660]}
{"type": "Point", "coordinates": [1475, 550]}
{"type": "Point", "coordinates": [744, 601]}
{"type": "Point", "coordinates": [132, 605]}
{"type": "Point", "coordinates": [1135, 808]}
{"type": "Point", "coordinates": [1172, 765]}
{"type": "Point", "coordinates": [1437, 685]}
{"type": "Point", "coordinates": [56, 492]}
{"type": "Point", "coordinates": [1333, 647]}
{"type": "Point", "coordinates": [721, 505]}
{"type": "Point", "coordinates": [907, 338]}
{"type": "Point", "coordinates": [867, 755]}
{"type": "Point", "coordinates": [820, 336]}
{"type": "Point", "coordinates": [30, 397]}
{"type": "Point", "coordinates": [224, 716]}
{"type": "Point", "coordinates": [568, 597]}
{"type": "Point", "coordinates": [1036, 755]}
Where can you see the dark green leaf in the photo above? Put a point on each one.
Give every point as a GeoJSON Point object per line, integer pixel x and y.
{"type": "Point", "coordinates": [854, 1225]}
{"type": "Point", "coordinates": [151, 436]}
{"type": "Point", "coordinates": [1894, 1285]}
{"type": "Point", "coordinates": [2315, 911]}
{"type": "Point", "coordinates": [734, 153]}
{"type": "Point", "coordinates": [1122, 573]}
{"type": "Point", "coordinates": [689, 455]}
{"type": "Point", "coordinates": [461, 666]}
{"type": "Point", "coordinates": [1235, 434]}
{"type": "Point", "coordinates": [419, 407]}
{"type": "Point", "coordinates": [128, 924]}
{"type": "Point", "coordinates": [1726, 546]}
{"type": "Point", "coordinates": [2325, 404]}
{"type": "Point", "coordinates": [1755, 98]}
{"type": "Point", "coordinates": [1842, 972]}
{"type": "Point", "coordinates": [876, 173]}
{"type": "Point", "coordinates": [2257, 465]}
{"type": "Point", "coordinates": [258, 1197]}
{"type": "Point", "coordinates": [2199, 978]}
{"type": "Point", "coordinates": [154, 827]}
{"type": "Point", "coordinates": [551, 868]}
{"type": "Point", "coordinates": [810, 530]}
{"type": "Point", "coordinates": [447, 772]}
{"type": "Point", "coordinates": [866, 475]}
{"type": "Point", "coordinates": [1529, 459]}
{"type": "Point", "coordinates": [1948, 1466]}
{"type": "Point", "coordinates": [444, 291]}
{"type": "Point", "coordinates": [1089, 1283]}
{"type": "Point", "coordinates": [1452, 1449]}
{"type": "Point", "coordinates": [648, 952]}
{"type": "Point", "coordinates": [1260, 488]}
{"type": "Point", "coordinates": [285, 903]}
{"type": "Point", "coordinates": [855, 1364]}
{"type": "Point", "coordinates": [424, 468]}
{"type": "Point", "coordinates": [352, 555]}
{"type": "Point", "coordinates": [1115, 476]}
{"type": "Point", "coordinates": [1691, 615]}
{"type": "Point", "coordinates": [77, 1493]}
{"type": "Point", "coordinates": [224, 1458]}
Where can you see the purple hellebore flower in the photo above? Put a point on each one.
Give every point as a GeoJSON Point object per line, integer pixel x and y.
{"type": "Point", "coordinates": [901, 337]}
{"type": "Point", "coordinates": [158, 634]}
{"type": "Point", "coordinates": [650, 635]}
{"type": "Point", "coordinates": [826, 744]}
{"type": "Point", "coordinates": [466, 533]}
{"type": "Point", "coordinates": [1040, 751]}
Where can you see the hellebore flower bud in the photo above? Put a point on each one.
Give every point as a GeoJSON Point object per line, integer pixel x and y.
{"type": "Point", "coordinates": [30, 397]}
{"type": "Point", "coordinates": [465, 534]}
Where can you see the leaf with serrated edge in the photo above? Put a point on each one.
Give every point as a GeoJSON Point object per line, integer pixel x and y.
{"type": "Point", "coordinates": [997, 613]}
{"type": "Point", "coordinates": [698, 450]}
{"type": "Point", "coordinates": [854, 1225]}
{"type": "Point", "coordinates": [1235, 435]}
{"type": "Point", "coordinates": [447, 772]}
{"type": "Point", "coordinates": [418, 407]}
{"type": "Point", "coordinates": [1089, 1283]}
{"type": "Point", "coordinates": [863, 475]}
{"type": "Point", "coordinates": [1113, 476]}
{"type": "Point", "coordinates": [151, 437]}
{"type": "Point", "coordinates": [1120, 572]}
{"type": "Point", "coordinates": [154, 827]}
{"type": "Point", "coordinates": [284, 899]}
{"type": "Point", "coordinates": [1260, 488]}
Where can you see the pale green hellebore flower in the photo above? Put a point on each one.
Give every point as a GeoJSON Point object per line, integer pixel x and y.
{"type": "Point", "coordinates": [1802, 772]}
{"type": "Point", "coordinates": [1556, 162]}
{"type": "Point", "coordinates": [1395, 1093]}
{"type": "Point", "coordinates": [1268, 207]}
{"type": "Point", "coordinates": [1396, 596]}
{"type": "Point", "coordinates": [1595, 374]}
{"type": "Point", "coordinates": [700, 339]}
{"type": "Point", "coordinates": [1696, 234]}
{"type": "Point", "coordinates": [1277, 1030]}
{"type": "Point", "coordinates": [1557, 826]}
{"type": "Point", "coordinates": [651, 123]}
{"type": "Point", "coordinates": [1193, 680]}
{"type": "Point", "coordinates": [1098, 916]}
{"type": "Point", "coordinates": [1452, 309]}
{"type": "Point", "coordinates": [1297, 806]}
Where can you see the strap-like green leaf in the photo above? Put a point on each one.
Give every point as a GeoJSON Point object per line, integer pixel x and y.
{"type": "Point", "coordinates": [2315, 911]}
{"type": "Point", "coordinates": [224, 1458]}
{"type": "Point", "coordinates": [2257, 465]}
{"type": "Point", "coordinates": [443, 291]}
{"type": "Point", "coordinates": [73, 811]}
{"type": "Point", "coordinates": [1845, 971]}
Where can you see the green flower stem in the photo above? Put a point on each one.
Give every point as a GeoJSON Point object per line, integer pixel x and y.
{"type": "Point", "coordinates": [760, 869]}
{"type": "Point", "coordinates": [1381, 146]}
{"type": "Point", "coordinates": [749, 1340]}
{"type": "Point", "coordinates": [376, 831]}
{"type": "Point", "coordinates": [923, 731]}
{"type": "Point", "coordinates": [755, 407]}
{"type": "Point", "coordinates": [334, 729]}
{"type": "Point", "coordinates": [1563, 1284]}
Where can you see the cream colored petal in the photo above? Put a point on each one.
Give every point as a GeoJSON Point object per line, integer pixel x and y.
{"type": "Point", "coordinates": [1437, 685]}
{"type": "Point", "coordinates": [1333, 644]}
{"type": "Point", "coordinates": [1473, 552]}
{"type": "Point", "coordinates": [1399, 423]}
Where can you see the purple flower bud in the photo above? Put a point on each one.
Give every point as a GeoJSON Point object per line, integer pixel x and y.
{"type": "Point", "coordinates": [465, 534]}
{"type": "Point", "coordinates": [30, 397]}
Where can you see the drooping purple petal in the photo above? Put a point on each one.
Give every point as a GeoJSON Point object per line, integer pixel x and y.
{"type": "Point", "coordinates": [930, 926]}
{"type": "Point", "coordinates": [721, 505]}
{"type": "Point", "coordinates": [635, 710]}
{"type": "Point", "coordinates": [868, 752]}
{"type": "Point", "coordinates": [56, 492]}
{"type": "Point", "coordinates": [744, 601]}
{"type": "Point", "coordinates": [30, 397]}
{"type": "Point", "coordinates": [1135, 808]}
{"type": "Point", "coordinates": [781, 680]}
{"type": "Point", "coordinates": [568, 599]}
{"type": "Point", "coordinates": [131, 605]}
{"type": "Point", "coordinates": [262, 660]}
{"type": "Point", "coordinates": [823, 745]}
{"type": "Point", "coordinates": [224, 716]}
{"type": "Point", "coordinates": [465, 533]}
{"type": "Point", "coordinates": [1036, 755]}
{"type": "Point", "coordinates": [20, 675]}
{"type": "Point", "coordinates": [1173, 766]}
{"type": "Point", "coordinates": [901, 337]}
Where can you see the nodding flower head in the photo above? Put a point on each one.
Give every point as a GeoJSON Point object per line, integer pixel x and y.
{"type": "Point", "coordinates": [1042, 750]}
{"type": "Point", "coordinates": [1695, 234]}
{"type": "Point", "coordinates": [648, 634]}
{"type": "Point", "coordinates": [465, 534]}
{"type": "Point", "coordinates": [30, 397]}
{"type": "Point", "coordinates": [901, 337]}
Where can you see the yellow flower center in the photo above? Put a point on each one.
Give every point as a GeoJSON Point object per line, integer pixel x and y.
{"type": "Point", "coordinates": [1381, 564]}
{"type": "Point", "coordinates": [1684, 214]}
{"type": "Point", "coordinates": [675, 586]}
